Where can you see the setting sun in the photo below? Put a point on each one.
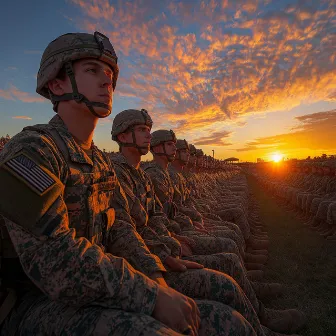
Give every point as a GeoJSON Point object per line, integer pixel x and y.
{"type": "Point", "coordinates": [277, 157]}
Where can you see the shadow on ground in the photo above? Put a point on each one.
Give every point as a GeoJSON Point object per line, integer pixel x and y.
{"type": "Point", "coordinates": [303, 261]}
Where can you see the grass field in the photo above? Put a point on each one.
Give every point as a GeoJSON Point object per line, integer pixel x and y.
{"type": "Point", "coordinates": [303, 261]}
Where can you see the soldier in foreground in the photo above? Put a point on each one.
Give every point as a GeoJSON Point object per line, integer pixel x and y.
{"type": "Point", "coordinates": [65, 213]}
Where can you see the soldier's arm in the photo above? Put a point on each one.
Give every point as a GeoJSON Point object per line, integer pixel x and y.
{"type": "Point", "coordinates": [64, 267]}
{"type": "Point", "coordinates": [161, 188]}
{"type": "Point", "coordinates": [157, 245]}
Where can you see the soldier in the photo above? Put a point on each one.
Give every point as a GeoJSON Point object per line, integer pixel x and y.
{"type": "Point", "coordinates": [163, 142]}
{"type": "Point", "coordinates": [131, 130]}
{"type": "Point", "coordinates": [186, 207]}
{"type": "Point", "coordinates": [65, 214]}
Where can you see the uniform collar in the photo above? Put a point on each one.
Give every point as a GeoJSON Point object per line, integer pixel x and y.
{"type": "Point", "coordinates": [77, 154]}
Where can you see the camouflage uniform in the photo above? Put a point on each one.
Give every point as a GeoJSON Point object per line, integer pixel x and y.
{"type": "Point", "coordinates": [231, 214]}
{"type": "Point", "coordinates": [146, 212]}
{"type": "Point", "coordinates": [164, 190]}
{"type": "Point", "coordinates": [57, 249]}
{"type": "Point", "coordinates": [64, 239]}
{"type": "Point", "coordinates": [331, 215]}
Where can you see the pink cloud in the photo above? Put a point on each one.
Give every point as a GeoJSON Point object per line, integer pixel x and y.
{"type": "Point", "coordinates": [22, 117]}
{"type": "Point", "coordinates": [243, 59]}
{"type": "Point", "coordinates": [13, 93]}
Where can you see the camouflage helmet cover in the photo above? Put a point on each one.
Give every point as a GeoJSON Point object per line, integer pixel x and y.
{"type": "Point", "coordinates": [161, 136]}
{"type": "Point", "coordinates": [70, 47]}
{"type": "Point", "coordinates": [192, 149]}
{"type": "Point", "coordinates": [182, 144]}
{"type": "Point", "coordinates": [129, 118]}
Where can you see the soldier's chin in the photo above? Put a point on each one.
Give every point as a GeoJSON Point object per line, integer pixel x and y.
{"type": "Point", "coordinates": [144, 150]}
{"type": "Point", "coordinates": [102, 112]}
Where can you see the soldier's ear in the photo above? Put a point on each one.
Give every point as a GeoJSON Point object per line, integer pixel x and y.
{"type": "Point", "coordinates": [122, 137]}
{"type": "Point", "coordinates": [58, 86]}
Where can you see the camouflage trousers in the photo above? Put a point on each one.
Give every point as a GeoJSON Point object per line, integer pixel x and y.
{"type": "Point", "coordinates": [307, 202]}
{"type": "Point", "coordinates": [225, 233]}
{"type": "Point", "coordinates": [237, 235]}
{"type": "Point", "coordinates": [331, 214]}
{"type": "Point", "coordinates": [315, 208]}
{"type": "Point", "coordinates": [231, 265]}
{"type": "Point", "coordinates": [322, 211]}
{"type": "Point", "coordinates": [212, 285]}
{"type": "Point", "coordinates": [300, 199]}
{"type": "Point", "coordinates": [46, 317]}
{"type": "Point", "coordinates": [238, 217]}
{"type": "Point", "coordinates": [207, 244]}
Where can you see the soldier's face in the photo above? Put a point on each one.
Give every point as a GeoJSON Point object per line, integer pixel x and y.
{"type": "Point", "coordinates": [184, 154]}
{"type": "Point", "coordinates": [170, 148]}
{"type": "Point", "coordinates": [94, 80]}
{"type": "Point", "coordinates": [142, 136]}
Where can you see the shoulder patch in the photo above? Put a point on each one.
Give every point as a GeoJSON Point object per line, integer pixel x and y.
{"type": "Point", "coordinates": [35, 176]}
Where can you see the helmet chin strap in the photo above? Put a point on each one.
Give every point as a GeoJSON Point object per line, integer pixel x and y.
{"type": "Point", "coordinates": [179, 158]}
{"type": "Point", "coordinates": [78, 97]}
{"type": "Point", "coordinates": [140, 149]}
{"type": "Point", "coordinates": [170, 158]}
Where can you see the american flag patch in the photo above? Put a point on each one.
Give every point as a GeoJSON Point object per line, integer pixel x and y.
{"type": "Point", "coordinates": [30, 172]}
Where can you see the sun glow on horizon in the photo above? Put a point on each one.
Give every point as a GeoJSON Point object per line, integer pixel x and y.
{"type": "Point", "coordinates": [277, 157]}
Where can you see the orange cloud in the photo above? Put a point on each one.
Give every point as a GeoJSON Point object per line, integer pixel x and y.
{"type": "Point", "coordinates": [215, 139]}
{"type": "Point", "coordinates": [314, 131]}
{"type": "Point", "coordinates": [13, 93]}
{"type": "Point", "coordinates": [243, 57]}
{"type": "Point", "coordinates": [22, 117]}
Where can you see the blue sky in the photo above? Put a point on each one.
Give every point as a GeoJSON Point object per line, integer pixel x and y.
{"type": "Point", "coordinates": [232, 76]}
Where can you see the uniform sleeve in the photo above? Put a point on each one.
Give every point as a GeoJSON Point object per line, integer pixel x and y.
{"type": "Point", "coordinates": [160, 186]}
{"type": "Point", "coordinates": [156, 248]}
{"type": "Point", "coordinates": [65, 268]}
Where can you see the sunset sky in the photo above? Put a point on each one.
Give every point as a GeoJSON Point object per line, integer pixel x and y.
{"type": "Point", "coordinates": [246, 78]}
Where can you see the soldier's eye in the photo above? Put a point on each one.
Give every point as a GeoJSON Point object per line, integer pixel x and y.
{"type": "Point", "coordinates": [91, 70]}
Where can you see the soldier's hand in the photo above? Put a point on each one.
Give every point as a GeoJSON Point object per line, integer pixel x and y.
{"type": "Point", "coordinates": [203, 230]}
{"type": "Point", "coordinates": [184, 239]}
{"type": "Point", "coordinates": [186, 250]}
{"type": "Point", "coordinates": [157, 277]}
{"type": "Point", "coordinates": [177, 311]}
{"type": "Point", "coordinates": [200, 227]}
{"type": "Point", "coordinates": [179, 265]}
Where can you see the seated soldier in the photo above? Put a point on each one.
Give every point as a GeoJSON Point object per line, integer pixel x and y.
{"type": "Point", "coordinates": [131, 130]}
{"type": "Point", "coordinates": [65, 213]}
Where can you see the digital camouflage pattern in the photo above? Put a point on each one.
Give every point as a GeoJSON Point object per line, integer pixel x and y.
{"type": "Point", "coordinates": [86, 289]}
{"type": "Point", "coordinates": [216, 319]}
{"type": "Point", "coordinates": [138, 188]}
{"type": "Point", "coordinates": [145, 209]}
{"type": "Point", "coordinates": [66, 258]}
{"type": "Point", "coordinates": [181, 199]}
{"type": "Point", "coordinates": [164, 189]}
{"type": "Point", "coordinates": [141, 200]}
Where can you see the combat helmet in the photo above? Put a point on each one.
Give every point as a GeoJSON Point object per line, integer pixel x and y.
{"type": "Point", "coordinates": [125, 121]}
{"type": "Point", "coordinates": [62, 52]}
{"type": "Point", "coordinates": [160, 137]}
